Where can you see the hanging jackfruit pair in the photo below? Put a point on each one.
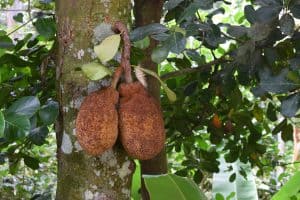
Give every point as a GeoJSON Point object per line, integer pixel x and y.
{"type": "Point", "coordinates": [128, 112]}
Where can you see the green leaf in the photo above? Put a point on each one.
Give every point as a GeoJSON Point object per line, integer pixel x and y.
{"type": "Point", "coordinates": [250, 14]}
{"type": "Point", "coordinates": [289, 189]}
{"type": "Point", "coordinates": [6, 42]}
{"type": "Point", "coordinates": [95, 71]}
{"type": "Point", "coordinates": [267, 13]}
{"type": "Point", "coordinates": [295, 9]}
{"type": "Point", "coordinates": [171, 95]}
{"type": "Point", "coordinates": [25, 106]}
{"type": "Point", "coordinates": [18, 17]}
{"type": "Point", "coordinates": [159, 54]}
{"type": "Point", "coordinates": [2, 124]}
{"type": "Point", "coordinates": [108, 48]}
{"type": "Point", "coordinates": [16, 61]}
{"type": "Point", "coordinates": [172, 4]}
{"type": "Point", "coordinates": [290, 105]}
{"type": "Point", "coordinates": [287, 24]}
{"type": "Point", "coordinates": [49, 112]}
{"type": "Point", "coordinates": [143, 31]}
{"type": "Point", "coordinates": [17, 126]}
{"type": "Point", "coordinates": [170, 187]}
{"type": "Point", "coordinates": [176, 42]}
{"type": "Point", "coordinates": [45, 27]}
{"type": "Point", "coordinates": [275, 83]}
{"type": "Point", "coordinates": [287, 132]}
{"type": "Point", "coordinates": [142, 44]}
{"type": "Point", "coordinates": [31, 162]}
{"type": "Point", "coordinates": [136, 182]}
{"type": "Point", "coordinates": [38, 135]}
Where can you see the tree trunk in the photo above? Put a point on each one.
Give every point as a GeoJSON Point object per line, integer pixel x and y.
{"type": "Point", "coordinates": [147, 12]}
{"type": "Point", "coordinates": [81, 176]}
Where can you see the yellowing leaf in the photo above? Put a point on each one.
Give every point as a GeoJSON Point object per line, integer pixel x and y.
{"type": "Point", "coordinates": [108, 48]}
{"type": "Point", "coordinates": [170, 94]}
{"type": "Point", "coordinates": [95, 71]}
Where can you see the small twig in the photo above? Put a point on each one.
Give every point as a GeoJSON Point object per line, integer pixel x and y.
{"type": "Point", "coordinates": [13, 10]}
{"type": "Point", "coordinates": [125, 60]}
{"type": "Point", "coordinates": [19, 27]}
{"type": "Point", "coordinates": [195, 69]}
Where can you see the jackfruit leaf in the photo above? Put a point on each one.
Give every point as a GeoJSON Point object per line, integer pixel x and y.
{"type": "Point", "coordinates": [170, 186]}
{"type": "Point", "coordinates": [290, 105]}
{"type": "Point", "coordinates": [289, 189]}
{"type": "Point", "coordinates": [2, 124]}
{"type": "Point", "coordinates": [170, 94]}
{"type": "Point", "coordinates": [287, 24]}
{"type": "Point", "coordinates": [159, 54]}
{"type": "Point", "coordinates": [49, 112]}
{"type": "Point", "coordinates": [95, 71]}
{"type": "Point", "coordinates": [108, 48]}
{"type": "Point", "coordinates": [17, 126]}
{"type": "Point", "coordinates": [27, 106]}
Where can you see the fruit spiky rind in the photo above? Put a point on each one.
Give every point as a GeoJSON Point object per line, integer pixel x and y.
{"type": "Point", "coordinates": [97, 121]}
{"type": "Point", "coordinates": [140, 121]}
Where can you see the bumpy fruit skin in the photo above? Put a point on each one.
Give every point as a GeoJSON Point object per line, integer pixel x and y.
{"type": "Point", "coordinates": [97, 121]}
{"type": "Point", "coordinates": [140, 121]}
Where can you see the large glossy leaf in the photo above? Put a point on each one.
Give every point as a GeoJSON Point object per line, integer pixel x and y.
{"type": "Point", "coordinates": [170, 187]}
{"type": "Point", "coordinates": [275, 83]}
{"type": "Point", "coordinates": [227, 182]}
{"type": "Point", "coordinates": [25, 106]}
{"type": "Point", "coordinates": [290, 105]}
{"type": "Point", "coordinates": [38, 135]}
{"type": "Point", "coordinates": [289, 189]}
{"type": "Point", "coordinates": [287, 24]}
{"type": "Point", "coordinates": [95, 71]}
{"type": "Point", "coordinates": [143, 31]}
{"type": "Point", "coordinates": [49, 112]}
{"type": "Point", "coordinates": [6, 42]}
{"type": "Point", "coordinates": [159, 54]}
{"type": "Point", "coordinates": [172, 4]}
{"type": "Point", "coordinates": [108, 48]}
{"type": "Point", "coordinates": [16, 127]}
{"type": "Point", "coordinates": [31, 162]}
{"type": "Point", "coordinates": [46, 27]}
{"type": "Point", "coordinates": [2, 124]}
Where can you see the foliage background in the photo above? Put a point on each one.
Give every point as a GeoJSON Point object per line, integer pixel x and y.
{"type": "Point", "coordinates": [234, 67]}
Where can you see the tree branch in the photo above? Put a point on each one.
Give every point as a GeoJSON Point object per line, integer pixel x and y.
{"type": "Point", "coordinates": [195, 69]}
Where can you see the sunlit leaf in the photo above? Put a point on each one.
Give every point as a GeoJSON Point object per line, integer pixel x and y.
{"type": "Point", "coordinates": [170, 187]}
{"type": "Point", "coordinates": [95, 71]}
{"type": "Point", "coordinates": [289, 189]}
{"type": "Point", "coordinates": [108, 48]}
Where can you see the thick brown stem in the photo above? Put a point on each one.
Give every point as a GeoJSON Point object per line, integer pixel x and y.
{"type": "Point", "coordinates": [116, 77]}
{"type": "Point", "coordinates": [147, 12]}
{"type": "Point", "coordinates": [125, 60]}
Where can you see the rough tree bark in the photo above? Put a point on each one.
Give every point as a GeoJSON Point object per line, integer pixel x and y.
{"type": "Point", "coordinates": [81, 176]}
{"type": "Point", "coordinates": [147, 12]}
